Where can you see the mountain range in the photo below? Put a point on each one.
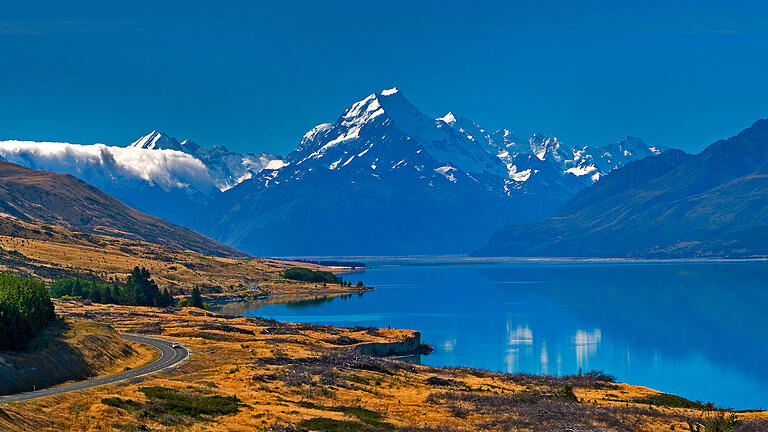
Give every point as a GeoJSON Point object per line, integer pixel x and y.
{"type": "Point", "coordinates": [386, 179]}
{"type": "Point", "coordinates": [712, 204]}
{"type": "Point", "coordinates": [383, 178]}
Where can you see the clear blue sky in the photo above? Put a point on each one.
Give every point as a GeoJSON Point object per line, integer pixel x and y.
{"type": "Point", "coordinates": [256, 75]}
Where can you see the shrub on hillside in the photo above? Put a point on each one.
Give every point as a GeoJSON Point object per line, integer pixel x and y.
{"type": "Point", "coordinates": [307, 275]}
{"type": "Point", "coordinates": [25, 309]}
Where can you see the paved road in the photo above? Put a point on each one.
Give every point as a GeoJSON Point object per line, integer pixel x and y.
{"type": "Point", "coordinates": [169, 357]}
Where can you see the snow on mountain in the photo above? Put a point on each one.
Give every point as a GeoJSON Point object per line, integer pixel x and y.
{"type": "Point", "coordinates": [157, 141]}
{"type": "Point", "coordinates": [383, 178]}
{"type": "Point", "coordinates": [384, 133]}
{"type": "Point", "coordinates": [226, 167]}
{"type": "Point", "coordinates": [589, 162]}
{"type": "Point", "coordinates": [598, 161]}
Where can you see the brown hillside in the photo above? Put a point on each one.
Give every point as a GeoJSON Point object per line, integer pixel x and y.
{"type": "Point", "coordinates": [65, 200]}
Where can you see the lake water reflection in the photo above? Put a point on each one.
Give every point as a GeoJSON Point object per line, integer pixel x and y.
{"type": "Point", "coordinates": [697, 329]}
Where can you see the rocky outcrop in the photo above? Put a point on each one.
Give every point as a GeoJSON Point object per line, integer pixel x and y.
{"type": "Point", "coordinates": [409, 345]}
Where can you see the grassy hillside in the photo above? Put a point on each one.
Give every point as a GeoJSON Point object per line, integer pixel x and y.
{"type": "Point", "coordinates": [69, 350]}
{"type": "Point", "coordinates": [67, 201]}
{"type": "Point", "coordinates": [51, 252]}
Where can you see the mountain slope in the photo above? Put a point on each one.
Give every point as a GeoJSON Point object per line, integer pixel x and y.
{"type": "Point", "coordinates": [386, 179]}
{"type": "Point", "coordinates": [64, 200]}
{"type": "Point", "coordinates": [712, 204]}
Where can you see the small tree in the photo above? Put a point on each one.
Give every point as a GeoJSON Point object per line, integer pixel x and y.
{"type": "Point", "coordinates": [167, 298]}
{"type": "Point", "coordinates": [117, 294]}
{"type": "Point", "coordinates": [77, 289]}
{"type": "Point", "coordinates": [95, 294]}
{"type": "Point", "coordinates": [142, 290]}
{"type": "Point", "coordinates": [107, 296]}
{"type": "Point", "coordinates": [195, 300]}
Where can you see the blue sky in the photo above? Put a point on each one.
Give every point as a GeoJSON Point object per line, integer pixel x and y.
{"type": "Point", "coordinates": [255, 76]}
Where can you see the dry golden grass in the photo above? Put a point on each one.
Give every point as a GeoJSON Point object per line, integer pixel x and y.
{"type": "Point", "coordinates": [50, 252]}
{"type": "Point", "coordinates": [291, 373]}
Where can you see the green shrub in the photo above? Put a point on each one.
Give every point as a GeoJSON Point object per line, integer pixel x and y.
{"type": "Point", "coordinates": [190, 404]}
{"type": "Point", "coordinates": [672, 401]}
{"type": "Point", "coordinates": [25, 309]}
{"type": "Point", "coordinates": [363, 414]}
{"type": "Point", "coordinates": [322, 424]}
{"type": "Point", "coordinates": [566, 393]}
{"type": "Point", "coordinates": [307, 275]}
{"type": "Point", "coordinates": [173, 407]}
{"type": "Point", "coordinates": [125, 404]}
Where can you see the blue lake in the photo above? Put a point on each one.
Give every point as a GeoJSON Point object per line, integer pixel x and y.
{"type": "Point", "coordinates": [696, 329]}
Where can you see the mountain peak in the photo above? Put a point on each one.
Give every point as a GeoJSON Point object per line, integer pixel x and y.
{"type": "Point", "coordinates": [156, 140]}
{"type": "Point", "coordinates": [389, 104]}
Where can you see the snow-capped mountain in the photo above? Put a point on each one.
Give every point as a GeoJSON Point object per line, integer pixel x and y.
{"type": "Point", "coordinates": [226, 167]}
{"type": "Point", "coordinates": [384, 133]}
{"type": "Point", "coordinates": [386, 179]}
{"type": "Point", "coordinates": [590, 162]}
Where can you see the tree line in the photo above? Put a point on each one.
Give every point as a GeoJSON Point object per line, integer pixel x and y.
{"type": "Point", "coordinates": [138, 290]}
{"type": "Point", "coordinates": [25, 309]}
{"type": "Point", "coordinates": [317, 276]}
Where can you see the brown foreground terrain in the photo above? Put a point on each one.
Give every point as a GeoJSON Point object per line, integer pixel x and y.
{"type": "Point", "coordinates": [251, 374]}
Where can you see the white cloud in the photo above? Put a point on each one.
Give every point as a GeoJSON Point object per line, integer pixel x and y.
{"type": "Point", "coordinates": [102, 165]}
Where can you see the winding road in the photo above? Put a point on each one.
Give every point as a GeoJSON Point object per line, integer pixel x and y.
{"type": "Point", "coordinates": [169, 357]}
